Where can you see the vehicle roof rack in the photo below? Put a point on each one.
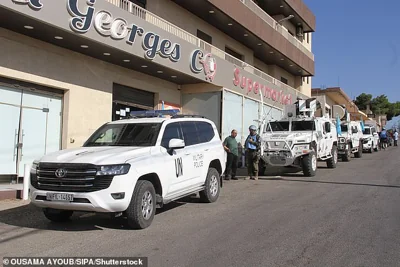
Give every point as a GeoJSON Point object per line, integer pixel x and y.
{"type": "Point", "coordinates": [153, 113]}
{"type": "Point", "coordinates": [187, 116]}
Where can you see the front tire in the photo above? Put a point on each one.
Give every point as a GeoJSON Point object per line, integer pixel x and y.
{"type": "Point", "coordinates": [358, 154]}
{"type": "Point", "coordinates": [309, 164]}
{"type": "Point", "coordinates": [142, 208]}
{"type": "Point", "coordinates": [212, 188]}
{"type": "Point", "coordinates": [332, 162]}
{"type": "Point", "coordinates": [58, 216]}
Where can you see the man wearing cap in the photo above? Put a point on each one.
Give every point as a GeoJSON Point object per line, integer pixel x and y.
{"type": "Point", "coordinates": [253, 146]}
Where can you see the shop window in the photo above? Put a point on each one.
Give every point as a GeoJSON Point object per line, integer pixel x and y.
{"type": "Point", "coordinates": [172, 131]}
{"type": "Point", "coordinates": [204, 36]}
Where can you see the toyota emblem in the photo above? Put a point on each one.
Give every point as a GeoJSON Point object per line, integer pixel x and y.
{"type": "Point", "coordinates": [60, 173]}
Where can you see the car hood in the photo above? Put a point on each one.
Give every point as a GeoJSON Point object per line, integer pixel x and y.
{"type": "Point", "coordinates": [299, 137]}
{"type": "Point", "coordinates": [96, 155]}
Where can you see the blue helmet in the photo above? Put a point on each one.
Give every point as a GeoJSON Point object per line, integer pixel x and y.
{"type": "Point", "coordinates": [253, 127]}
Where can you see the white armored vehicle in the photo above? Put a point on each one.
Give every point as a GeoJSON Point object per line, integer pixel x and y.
{"type": "Point", "coordinates": [301, 139]}
{"type": "Point", "coordinates": [350, 138]}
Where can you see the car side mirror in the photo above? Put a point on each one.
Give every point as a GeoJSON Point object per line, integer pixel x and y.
{"type": "Point", "coordinates": [176, 144]}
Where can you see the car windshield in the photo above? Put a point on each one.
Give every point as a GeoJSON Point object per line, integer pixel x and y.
{"type": "Point", "coordinates": [343, 127]}
{"type": "Point", "coordinates": [129, 134]}
{"type": "Point", "coordinates": [278, 126]}
{"type": "Point", "coordinates": [367, 131]}
{"type": "Point", "coordinates": [303, 126]}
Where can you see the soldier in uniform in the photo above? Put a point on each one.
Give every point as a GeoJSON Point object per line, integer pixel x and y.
{"type": "Point", "coordinates": [253, 147]}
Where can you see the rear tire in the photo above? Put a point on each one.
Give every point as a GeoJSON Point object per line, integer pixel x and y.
{"type": "Point", "coordinates": [142, 208]}
{"type": "Point", "coordinates": [309, 164]}
{"type": "Point", "coordinates": [212, 188]}
{"type": "Point", "coordinates": [58, 216]}
{"type": "Point", "coordinates": [332, 162]}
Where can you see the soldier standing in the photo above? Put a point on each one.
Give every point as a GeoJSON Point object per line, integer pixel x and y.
{"type": "Point", "coordinates": [253, 146]}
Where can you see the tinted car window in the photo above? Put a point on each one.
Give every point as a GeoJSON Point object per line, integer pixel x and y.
{"type": "Point", "coordinates": [205, 131]}
{"type": "Point", "coordinates": [172, 131]}
{"type": "Point", "coordinates": [131, 134]}
{"type": "Point", "coordinates": [190, 133]}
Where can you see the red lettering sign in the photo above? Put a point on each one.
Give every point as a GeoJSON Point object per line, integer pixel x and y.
{"type": "Point", "coordinates": [255, 87]}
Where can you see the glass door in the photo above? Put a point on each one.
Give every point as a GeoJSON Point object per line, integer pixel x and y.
{"type": "Point", "coordinates": [10, 101]}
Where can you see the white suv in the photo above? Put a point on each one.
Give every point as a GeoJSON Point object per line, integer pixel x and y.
{"type": "Point", "coordinates": [129, 167]}
{"type": "Point", "coordinates": [371, 139]}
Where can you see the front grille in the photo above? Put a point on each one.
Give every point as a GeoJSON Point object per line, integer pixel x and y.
{"type": "Point", "coordinates": [78, 178]}
{"type": "Point", "coordinates": [278, 160]}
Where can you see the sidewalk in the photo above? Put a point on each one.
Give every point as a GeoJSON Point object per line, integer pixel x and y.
{"type": "Point", "coordinates": [11, 191]}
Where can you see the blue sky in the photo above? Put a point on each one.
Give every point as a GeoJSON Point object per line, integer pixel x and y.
{"type": "Point", "coordinates": [357, 46]}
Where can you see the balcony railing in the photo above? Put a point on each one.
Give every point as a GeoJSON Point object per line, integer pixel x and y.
{"type": "Point", "coordinates": [175, 30]}
{"type": "Point", "coordinates": [274, 24]}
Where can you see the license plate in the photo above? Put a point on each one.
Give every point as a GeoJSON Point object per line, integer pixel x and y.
{"type": "Point", "coordinates": [60, 197]}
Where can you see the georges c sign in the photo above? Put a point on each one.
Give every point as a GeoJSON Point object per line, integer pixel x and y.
{"type": "Point", "coordinates": [119, 29]}
{"type": "Point", "coordinates": [203, 62]}
{"type": "Point", "coordinates": [34, 4]}
{"type": "Point", "coordinates": [255, 87]}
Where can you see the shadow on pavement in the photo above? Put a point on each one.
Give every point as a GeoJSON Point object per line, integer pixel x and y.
{"type": "Point", "coordinates": [338, 183]}
{"type": "Point", "coordinates": [32, 217]}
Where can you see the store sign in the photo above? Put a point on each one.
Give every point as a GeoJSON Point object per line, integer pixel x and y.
{"type": "Point", "coordinates": [119, 29]}
{"type": "Point", "coordinates": [34, 4]}
{"type": "Point", "coordinates": [203, 62]}
{"type": "Point", "coordinates": [253, 86]}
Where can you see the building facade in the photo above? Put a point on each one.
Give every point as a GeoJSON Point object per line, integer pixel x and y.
{"type": "Point", "coordinates": [337, 96]}
{"type": "Point", "coordinates": [69, 66]}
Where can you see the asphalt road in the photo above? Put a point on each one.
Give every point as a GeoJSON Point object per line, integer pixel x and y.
{"type": "Point", "coordinates": [349, 216]}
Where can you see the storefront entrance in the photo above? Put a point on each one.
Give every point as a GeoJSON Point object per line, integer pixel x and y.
{"type": "Point", "coordinates": [30, 127]}
{"type": "Point", "coordinates": [127, 99]}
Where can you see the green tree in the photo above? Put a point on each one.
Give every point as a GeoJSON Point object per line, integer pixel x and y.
{"type": "Point", "coordinates": [394, 110]}
{"type": "Point", "coordinates": [363, 100]}
{"type": "Point", "coordinates": [380, 105]}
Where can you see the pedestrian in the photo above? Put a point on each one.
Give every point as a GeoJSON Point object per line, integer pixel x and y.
{"type": "Point", "coordinates": [396, 137]}
{"type": "Point", "coordinates": [253, 146]}
{"type": "Point", "coordinates": [231, 147]}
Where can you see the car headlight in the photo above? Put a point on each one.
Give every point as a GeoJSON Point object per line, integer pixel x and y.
{"type": "Point", "coordinates": [34, 167]}
{"type": "Point", "coordinates": [301, 147]}
{"type": "Point", "coordinates": [114, 169]}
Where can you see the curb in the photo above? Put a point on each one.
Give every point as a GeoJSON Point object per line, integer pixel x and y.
{"type": "Point", "coordinates": [10, 194]}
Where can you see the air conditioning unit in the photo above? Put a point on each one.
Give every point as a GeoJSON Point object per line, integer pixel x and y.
{"type": "Point", "coordinates": [299, 31]}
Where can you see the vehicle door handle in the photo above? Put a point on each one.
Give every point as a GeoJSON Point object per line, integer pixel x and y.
{"type": "Point", "coordinates": [206, 149]}
{"type": "Point", "coordinates": [187, 154]}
